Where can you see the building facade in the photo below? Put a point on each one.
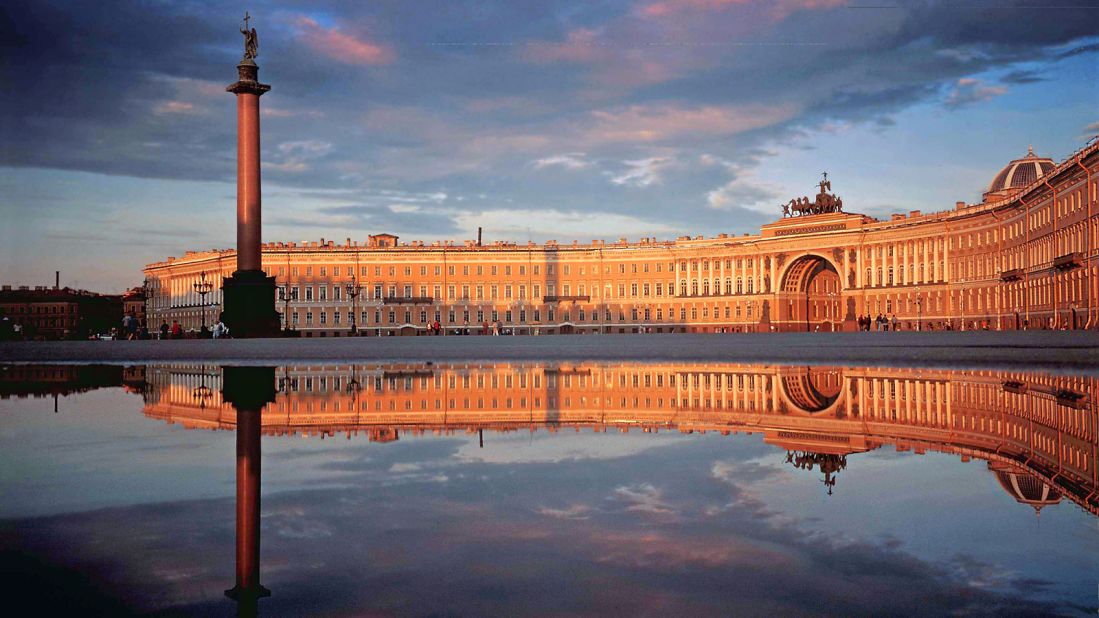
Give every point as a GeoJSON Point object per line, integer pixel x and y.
{"type": "Point", "coordinates": [43, 312]}
{"type": "Point", "coordinates": [1023, 258]}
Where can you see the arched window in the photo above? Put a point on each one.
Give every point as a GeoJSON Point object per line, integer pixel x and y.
{"type": "Point", "coordinates": [706, 287]}
{"type": "Point", "coordinates": [694, 287]}
{"type": "Point", "coordinates": [739, 286]}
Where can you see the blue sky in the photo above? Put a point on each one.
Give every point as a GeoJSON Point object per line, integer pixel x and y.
{"type": "Point", "coordinates": [540, 120]}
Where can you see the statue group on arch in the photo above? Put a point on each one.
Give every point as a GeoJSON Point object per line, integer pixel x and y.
{"type": "Point", "coordinates": [824, 202]}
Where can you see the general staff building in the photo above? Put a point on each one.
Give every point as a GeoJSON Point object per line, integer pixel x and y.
{"type": "Point", "coordinates": [1023, 258]}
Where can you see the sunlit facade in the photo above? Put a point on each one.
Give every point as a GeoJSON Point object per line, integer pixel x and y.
{"type": "Point", "coordinates": [1023, 258]}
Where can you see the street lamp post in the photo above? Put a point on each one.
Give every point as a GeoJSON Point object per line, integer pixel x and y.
{"type": "Point", "coordinates": [353, 290]}
{"type": "Point", "coordinates": [203, 287]}
{"type": "Point", "coordinates": [287, 294]}
{"type": "Point", "coordinates": [145, 301]}
{"type": "Point", "coordinates": [919, 311]}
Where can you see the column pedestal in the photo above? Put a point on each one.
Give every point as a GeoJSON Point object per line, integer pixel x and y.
{"type": "Point", "coordinates": [250, 305]}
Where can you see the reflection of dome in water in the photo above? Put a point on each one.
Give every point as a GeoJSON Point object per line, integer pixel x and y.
{"type": "Point", "coordinates": [1024, 487]}
{"type": "Point", "coordinates": [1018, 174]}
{"type": "Point", "coordinates": [813, 391]}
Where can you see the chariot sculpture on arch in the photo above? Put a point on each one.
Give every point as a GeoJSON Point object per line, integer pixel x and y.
{"type": "Point", "coordinates": [251, 41]}
{"type": "Point", "coordinates": [824, 202]}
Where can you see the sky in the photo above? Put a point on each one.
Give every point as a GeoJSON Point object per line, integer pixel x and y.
{"type": "Point", "coordinates": [532, 119]}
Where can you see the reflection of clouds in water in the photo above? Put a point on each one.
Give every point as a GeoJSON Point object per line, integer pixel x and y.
{"type": "Point", "coordinates": [573, 511]}
{"type": "Point", "coordinates": [643, 498]}
{"type": "Point", "coordinates": [545, 447]}
{"type": "Point", "coordinates": [502, 539]}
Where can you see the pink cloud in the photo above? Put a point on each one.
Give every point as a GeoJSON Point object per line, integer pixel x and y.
{"type": "Point", "coordinates": [581, 45]}
{"type": "Point", "coordinates": [341, 46]}
{"type": "Point", "coordinates": [616, 62]}
{"type": "Point", "coordinates": [776, 9]}
{"type": "Point", "coordinates": [647, 124]}
{"type": "Point", "coordinates": [969, 90]}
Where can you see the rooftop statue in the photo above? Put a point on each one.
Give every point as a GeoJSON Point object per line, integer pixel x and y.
{"type": "Point", "coordinates": [824, 202]}
{"type": "Point", "coordinates": [251, 41]}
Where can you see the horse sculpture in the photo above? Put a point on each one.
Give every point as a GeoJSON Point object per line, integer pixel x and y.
{"type": "Point", "coordinates": [824, 202]}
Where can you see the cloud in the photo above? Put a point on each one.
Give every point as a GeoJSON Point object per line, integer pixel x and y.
{"type": "Point", "coordinates": [341, 46]}
{"type": "Point", "coordinates": [643, 498]}
{"type": "Point", "coordinates": [174, 107]}
{"type": "Point", "coordinates": [295, 155]}
{"type": "Point", "coordinates": [666, 121]}
{"type": "Point", "coordinates": [574, 511]}
{"type": "Point", "coordinates": [970, 90]}
{"type": "Point", "coordinates": [269, 111]}
{"type": "Point", "coordinates": [1022, 76]}
{"type": "Point", "coordinates": [568, 160]}
{"type": "Point", "coordinates": [775, 9]}
{"type": "Point", "coordinates": [641, 173]}
{"type": "Point", "coordinates": [745, 191]}
{"type": "Point", "coordinates": [581, 45]}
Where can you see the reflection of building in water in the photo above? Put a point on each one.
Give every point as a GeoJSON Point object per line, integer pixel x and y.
{"type": "Point", "coordinates": [1039, 428]}
{"type": "Point", "coordinates": [1023, 487]}
{"type": "Point", "coordinates": [47, 380]}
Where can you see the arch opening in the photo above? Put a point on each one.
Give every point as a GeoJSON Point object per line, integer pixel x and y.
{"type": "Point", "coordinates": [811, 390]}
{"type": "Point", "coordinates": [811, 296]}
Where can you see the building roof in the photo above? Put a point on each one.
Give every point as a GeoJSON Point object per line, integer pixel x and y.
{"type": "Point", "coordinates": [43, 294]}
{"type": "Point", "coordinates": [1021, 172]}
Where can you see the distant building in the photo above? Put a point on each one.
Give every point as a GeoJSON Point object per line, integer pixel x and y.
{"type": "Point", "coordinates": [1024, 258]}
{"type": "Point", "coordinates": [133, 303]}
{"type": "Point", "coordinates": [59, 313]}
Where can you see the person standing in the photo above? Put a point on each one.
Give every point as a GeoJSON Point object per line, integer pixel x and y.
{"type": "Point", "coordinates": [164, 330]}
{"type": "Point", "coordinates": [177, 330]}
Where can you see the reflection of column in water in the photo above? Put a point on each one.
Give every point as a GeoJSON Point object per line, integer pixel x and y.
{"type": "Point", "coordinates": [248, 389]}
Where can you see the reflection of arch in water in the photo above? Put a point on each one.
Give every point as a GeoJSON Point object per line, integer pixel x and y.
{"type": "Point", "coordinates": [810, 295]}
{"type": "Point", "coordinates": [812, 390]}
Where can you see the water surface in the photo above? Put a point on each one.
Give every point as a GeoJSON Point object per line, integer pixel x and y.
{"type": "Point", "coordinates": [549, 488]}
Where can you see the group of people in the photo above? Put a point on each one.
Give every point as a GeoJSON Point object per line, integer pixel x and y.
{"type": "Point", "coordinates": [487, 328]}
{"type": "Point", "coordinates": [880, 323]}
{"type": "Point", "coordinates": [175, 331]}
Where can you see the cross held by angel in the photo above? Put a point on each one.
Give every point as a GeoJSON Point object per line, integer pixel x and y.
{"type": "Point", "coordinates": [251, 41]}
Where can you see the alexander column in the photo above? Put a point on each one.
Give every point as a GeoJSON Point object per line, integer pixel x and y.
{"type": "Point", "coordinates": [249, 309]}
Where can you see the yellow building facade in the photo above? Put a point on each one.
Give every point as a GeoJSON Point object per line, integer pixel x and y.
{"type": "Point", "coordinates": [1023, 258]}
